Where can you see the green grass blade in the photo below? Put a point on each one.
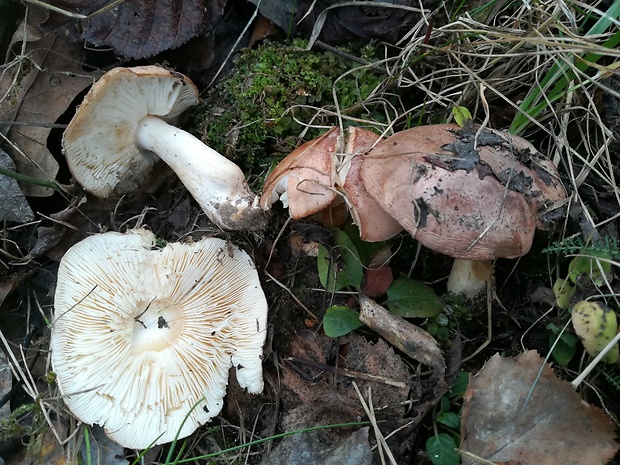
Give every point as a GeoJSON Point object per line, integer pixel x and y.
{"type": "Point", "coordinates": [563, 72]}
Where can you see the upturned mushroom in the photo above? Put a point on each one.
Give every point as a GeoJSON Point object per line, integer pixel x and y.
{"type": "Point", "coordinates": [125, 124]}
{"type": "Point", "coordinates": [324, 173]}
{"type": "Point", "coordinates": [474, 196]}
{"type": "Point", "coordinates": [143, 338]}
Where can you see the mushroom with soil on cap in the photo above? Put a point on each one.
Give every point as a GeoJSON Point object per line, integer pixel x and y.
{"type": "Point", "coordinates": [323, 174]}
{"type": "Point", "coordinates": [124, 125]}
{"type": "Point", "coordinates": [475, 196]}
{"type": "Point", "coordinates": [143, 338]}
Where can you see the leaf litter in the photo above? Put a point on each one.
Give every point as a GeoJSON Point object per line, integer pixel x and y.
{"type": "Point", "coordinates": [324, 391]}
{"type": "Point", "coordinates": [509, 414]}
{"type": "Point", "coordinates": [44, 76]}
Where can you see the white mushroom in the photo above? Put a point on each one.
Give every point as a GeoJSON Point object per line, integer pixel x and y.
{"type": "Point", "coordinates": [124, 125]}
{"type": "Point", "coordinates": [142, 336]}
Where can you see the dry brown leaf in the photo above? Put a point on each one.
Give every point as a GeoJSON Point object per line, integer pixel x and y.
{"type": "Point", "coordinates": [13, 204]}
{"type": "Point", "coordinates": [36, 90]}
{"type": "Point", "coordinates": [554, 426]}
{"type": "Point", "coordinates": [136, 28]}
{"type": "Point", "coordinates": [377, 281]}
{"type": "Point", "coordinates": [312, 395]}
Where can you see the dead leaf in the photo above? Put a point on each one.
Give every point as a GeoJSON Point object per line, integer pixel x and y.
{"type": "Point", "coordinates": [263, 27]}
{"type": "Point", "coordinates": [13, 204]}
{"type": "Point", "coordinates": [44, 448]}
{"type": "Point", "coordinates": [36, 89]}
{"type": "Point", "coordinates": [312, 395]}
{"type": "Point", "coordinates": [103, 451]}
{"type": "Point", "coordinates": [553, 426]}
{"type": "Point", "coordinates": [134, 28]}
{"type": "Point", "coordinates": [302, 449]}
{"type": "Point", "coordinates": [6, 383]}
{"type": "Point", "coordinates": [377, 281]}
{"type": "Point", "coordinates": [337, 24]}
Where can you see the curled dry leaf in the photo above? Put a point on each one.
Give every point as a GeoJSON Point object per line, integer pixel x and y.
{"type": "Point", "coordinates": [501, 422]}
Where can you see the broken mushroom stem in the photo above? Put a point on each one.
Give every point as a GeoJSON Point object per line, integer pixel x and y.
{"type": "Point", "coordinates": [218, 185]}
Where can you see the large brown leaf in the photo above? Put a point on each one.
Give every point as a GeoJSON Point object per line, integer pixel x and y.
{"type": "Point", "coordinates": [502, 423]}
{"type": "Point", "coordinates": [35, 90]}
{"type": "Point", "coordinates": [136, 28]}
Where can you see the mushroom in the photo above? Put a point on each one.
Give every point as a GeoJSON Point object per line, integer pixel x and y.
{"type": "Point", "coordinates": [123, 127]}
{"type": "Point", "coordinates": [310, 178]}
{"type": "Point", "coordinates": [143, 338]}
{"type": "Point", "coordinates": [439, 182]}
{"type": "Point", "coordinates": [303, 180]}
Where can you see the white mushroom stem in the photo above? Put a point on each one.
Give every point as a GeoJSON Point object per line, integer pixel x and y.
{"type": "Point", "coordinates": [469, 277]}
{"type": "Point", "coordinates": [218, 185]}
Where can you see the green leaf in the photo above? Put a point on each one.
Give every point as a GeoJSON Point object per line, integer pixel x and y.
{"type": "Point", "coordinates": [460, 385]}
{"type": "Point", "coordinates": [564, 350]}
{"type": "Point", "coordinates": [442, 450]}
{"type": "Point", "coordinates": [340, 320]}
{"type": "Point", "coordinates": [347, 271]}
{"type": "Point", "coordinates": [596, 325]}
{"type": "Point", "coordinates": [564, 291]}
{"type": "Point", "coordinates": [589, 266]}
{"type": "Point", "coordinates": [409, 298]}
{"type": "Point", "coordinates": [450, 419]}
{"type": "Point", "coordinates": [461, 115]}
{"type": "Point", "coordinates": [365, 249]}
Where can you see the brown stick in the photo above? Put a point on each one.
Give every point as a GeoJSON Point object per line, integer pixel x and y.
{"type": "Point", "coordinates": [413, 341]}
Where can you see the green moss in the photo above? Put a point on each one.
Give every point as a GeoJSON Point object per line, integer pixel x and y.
{"type": "Point", "coordinates": [252, 114]}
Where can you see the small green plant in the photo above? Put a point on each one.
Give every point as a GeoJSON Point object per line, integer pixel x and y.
{"type": "Point", "coordinates": [11, 427]}
{"type": "Point", "coordinates": [343, 267]}
{"type": "Point", "coordinates": [589, 267]}
{"type": "Point", "coordinates": [340, 267]}
{"type": "Point", "coordinates": [563, 344]}
{"type": "Point", "coordinates": [593, 322]}
{"type": "Point", "coordinates": [441, 447]}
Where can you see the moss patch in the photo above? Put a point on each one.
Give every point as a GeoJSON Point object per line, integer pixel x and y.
{"type": "Point", "coordinates": [260, 109]}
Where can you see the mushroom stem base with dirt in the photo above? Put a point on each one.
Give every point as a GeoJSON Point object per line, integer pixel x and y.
{"type": "Point", "coordinates": [217, 184]}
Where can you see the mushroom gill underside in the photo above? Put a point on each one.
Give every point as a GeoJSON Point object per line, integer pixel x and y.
{"type": "Point", "coordinates": [142, 336]}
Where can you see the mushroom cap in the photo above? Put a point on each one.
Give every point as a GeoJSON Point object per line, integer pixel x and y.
{"type": "Point", "coordinates": [309, 178]}
{"type": "Point", "coordinates": [99, 141]}
{"type": "Point", "coordinates": [517, 163]}
{"type": "Point", "coordinates": [142, 336]}
{"type": "Point", "coordinates": [304, 179]}
{"type": "Point", "coordinates": [464, 213]}
{"type": "Point", "coordinates": [374, 223]}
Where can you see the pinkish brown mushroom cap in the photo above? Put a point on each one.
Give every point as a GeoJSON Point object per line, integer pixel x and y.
{"type": "Point", "coordinates": [374, 223]}
{"type": "Point", "coordinates": [303, 180]}
{"type": "Point", "coordinates": [445, 201]}
{"type": "Point", "coordinates": [309, 179]}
